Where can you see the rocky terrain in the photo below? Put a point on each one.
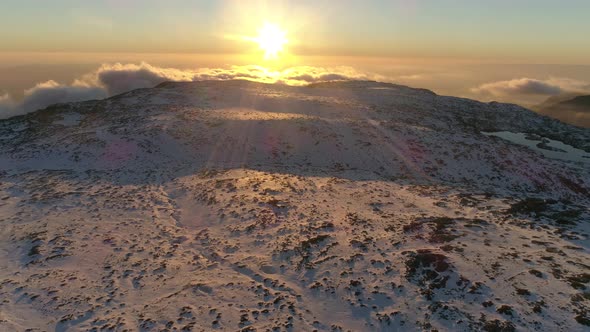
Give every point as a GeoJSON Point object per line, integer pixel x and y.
{"type": "Point", "coordinates": [344, 206]}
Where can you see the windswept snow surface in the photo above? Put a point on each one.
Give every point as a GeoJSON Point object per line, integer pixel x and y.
{"type": "Point", "coordinates": [234, 205]}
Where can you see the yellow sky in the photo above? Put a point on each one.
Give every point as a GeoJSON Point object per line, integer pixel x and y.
{"type": "Point", "coordinates": [526, 31]}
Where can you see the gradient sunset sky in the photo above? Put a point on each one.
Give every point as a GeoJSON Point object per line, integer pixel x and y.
{"type": "Point", "coordinates": [520, 51]}
{"type": "Point", "coordinates": [527, 30]}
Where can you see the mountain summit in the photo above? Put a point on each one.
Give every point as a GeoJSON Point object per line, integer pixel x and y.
{"type": "Point", "coordinates": [337, 206]}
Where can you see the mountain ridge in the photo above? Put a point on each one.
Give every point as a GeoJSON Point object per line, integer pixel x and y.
{"type": "Point", "coordinates": [571, 108]}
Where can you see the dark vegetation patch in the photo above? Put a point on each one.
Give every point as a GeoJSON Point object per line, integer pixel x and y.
{"type": "Point", "coordinates": [425, 259]}
{"type": "Point", "coordinates": [538, 306]}
{"type": "Point", "coordinates": [307, 244]}
{"type": "Point", "coordinates": [427, 269]}
{"type": "Point", "coordinates": [498, 326]}
{"type": "Point", "coordinates": [209, 173]}
{"type": "Point", "coordinates": [574, 186]}
{"type": "Point", "coordinates": [567, 217]}
{"type": "Point", "coordinates": [505, 310]}
{"type": "Point", "coordinates": [310, 251]}
{"type": "Point", "coordinates": [530, 206]}
{"type": "Point", "coordinates": [35, 250]}
{"type": "Point", "coordinates": [580, 297]}
{"type": "Point", "coordinates": [325, 226]}
{"type": "Point", "coordinates": [441, 228]}
{"type": "Point", "coordinates": [562, 212]}
{"type": "Point", "coordinates": [578, 281]}
{"type": "Point", "coordinates": [355, 220]}
{"type": "Point", "coordinates": [582, 317]}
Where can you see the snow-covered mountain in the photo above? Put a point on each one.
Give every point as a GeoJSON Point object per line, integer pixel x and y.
{"type": "Point", "coordinates": [339, 206]}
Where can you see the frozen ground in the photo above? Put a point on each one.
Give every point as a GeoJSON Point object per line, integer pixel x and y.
{"type": "Point", "coordinates": [341, 206]}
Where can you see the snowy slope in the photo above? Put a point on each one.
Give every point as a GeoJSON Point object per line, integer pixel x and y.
{"type": "Point", "coordinates": [340, 206]}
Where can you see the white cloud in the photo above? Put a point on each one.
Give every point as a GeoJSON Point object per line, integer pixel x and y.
{"type": "Point", "coordinates": [411, 77]}
{"type": "Point", "coordinates": [530, 86]}
{"type": "Point", "coordinates": [301, 75]}
{"type": "Point", "coordinates": [119, 78]}
{"type": "Point", "coordinates": [4, 99]}
{"type": "Point", "coordinates": [51, 92]}
{"type": "Point", "coordinates": [112, 79]}
{"type": "Point", "coordinates": [6, 106]}
{"type": "Point", "coordinates": [45, 94]}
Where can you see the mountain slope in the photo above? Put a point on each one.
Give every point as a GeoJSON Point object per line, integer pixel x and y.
{"type": "Point", "coordinates": [579, 101]}
{"type": "Point", "coordinates": [574, 109]}
{"type": "Point", "coordinates": [338, 206]}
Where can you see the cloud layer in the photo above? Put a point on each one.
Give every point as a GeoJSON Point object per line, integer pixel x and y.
{"type": "Point", "coordinates": [553, 88]}
{"type": "Point", "coordinates": [530, 86]}
{"type": "Point", "coordinates": [48, 93]}
{"type": "Point", "coordinates": [113, 79]}
{"type": "Point", "coordinates": [119, 78]}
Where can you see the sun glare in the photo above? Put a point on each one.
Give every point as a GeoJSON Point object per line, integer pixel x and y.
{"type": "Point", "coordinates": [271, 39]}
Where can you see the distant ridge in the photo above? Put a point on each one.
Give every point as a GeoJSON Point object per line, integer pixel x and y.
{"type": "Point", "coordinates": [573, 109]}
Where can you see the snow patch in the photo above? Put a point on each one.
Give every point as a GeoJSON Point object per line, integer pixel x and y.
{"type": "Point", "coordinates": [549, 148]}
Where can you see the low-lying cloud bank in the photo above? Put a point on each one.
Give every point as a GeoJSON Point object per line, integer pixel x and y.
{"type": "Point", "coordinates": [45, 94]}
{"type": "Point", "coordinates": [530, 86]}
{"type": "Point", "coordinates": [558, 89]}
{"type": "Point", "coordinates": [113, 79]}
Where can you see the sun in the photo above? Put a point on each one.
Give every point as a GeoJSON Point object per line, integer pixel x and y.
{"type": "Point", "coordinates": [271, 39]}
